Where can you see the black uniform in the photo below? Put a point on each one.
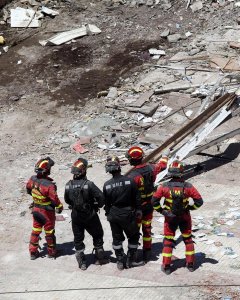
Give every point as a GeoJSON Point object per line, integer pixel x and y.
{"type": "Point", "coordinates": [122, 198]}
{"type": "Point", "coordinates": [85, 198]}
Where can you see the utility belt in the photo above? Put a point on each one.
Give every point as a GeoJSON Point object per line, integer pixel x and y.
{"type": "Point", "coordinates": [46, 207]}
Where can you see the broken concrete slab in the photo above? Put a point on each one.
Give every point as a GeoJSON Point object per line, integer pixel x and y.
{"type": "Point", "coordinates": [154, 51]}
{"type": "Point", "coordinates": [148, 110]}
{"type": "Point", "coordinates": [141, 100]}
{"type": "Point", "coordinates": [225, 63]}
{"type": "Point", "coordinates": [156, 76]}
{"type": "Point", "coordinates": [21, 17]}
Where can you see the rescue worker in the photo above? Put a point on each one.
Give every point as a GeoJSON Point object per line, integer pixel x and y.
{"type": "Point", "coordinates": [45, 202]}
{"type": "Point", "coordinates": [122, 206]}
{"type": "Point", "coordinates": [85, 199]}
{"type": "Point", "coordinates": [144, 174]}
{"type": "Point", "coordinates": [176, 209]}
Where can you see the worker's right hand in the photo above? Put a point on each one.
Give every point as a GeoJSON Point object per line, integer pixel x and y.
{"type": "Point", "coordinates": [168, 213]}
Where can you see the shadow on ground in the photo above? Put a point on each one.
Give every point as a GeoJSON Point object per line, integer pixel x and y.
{"type": "Point", "coordinates": [216, 161]}
{"type": "Point", "coordinates": [200, 260]}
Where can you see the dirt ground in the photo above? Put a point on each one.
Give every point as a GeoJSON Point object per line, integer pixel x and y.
{"type": "Point", "coordinates": [55, 88]}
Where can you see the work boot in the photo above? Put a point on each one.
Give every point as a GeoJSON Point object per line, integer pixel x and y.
{"type": "Point", "coordinates": [120, 259]}
{"type": "Point", "coordinates": [34, 255]}
{"type": "Point", "coordinates": [190, 267]}
{"type": "Point", "coordinates": [166, 269]}
{"type": "Point", "coordinates": [147, 253]}
{"type": "Point", "coordinates": [100, 257]}
{"type": "Point", "coordinates": [81, 259]}
{"type": "Point", "coordinates": [132, 259]}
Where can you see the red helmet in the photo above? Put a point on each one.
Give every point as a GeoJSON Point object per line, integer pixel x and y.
{"type": "Point", "coordinates": [176, 169]}
{"type": "Point", "coordinates": [43, 166]}
{"type": "Point", "coordinates": [135, 152]}
{"type": "Point", "coordinates": [79, 167]}
{"type": "Point", "coordinates": [113, 164]}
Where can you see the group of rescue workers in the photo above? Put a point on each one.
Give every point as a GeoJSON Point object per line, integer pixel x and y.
{"type": "Point", "coordinates": [128, 200]}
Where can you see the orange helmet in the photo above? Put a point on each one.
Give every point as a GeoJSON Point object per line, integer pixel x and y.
{"type": "Point", "coordinates": [112, 164]}
{"type": "Point", "coordinates": [135, 155]}
{"type": "Point", "coordinates": [79, 167]}
{"type": "Point", "coordinates": [43, 166]}
{"type": "Point", "coordinates": [176, 169]}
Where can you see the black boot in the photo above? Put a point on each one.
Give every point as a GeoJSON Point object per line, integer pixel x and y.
{"type": "Point", "coordinates": [100, 256]}
{"type": "Point", "coordinates": [81, 259]}
{"type": "Point", "coordinates": [166, 269]}
{"type": "Point", "coordinates": [147, 253]}
{"type": "Point", "coordinates": [190, 267]}
{"type": "Point", "coordinates": [132, 259]}
{"type": "Point", "coordinates": [120, 257]}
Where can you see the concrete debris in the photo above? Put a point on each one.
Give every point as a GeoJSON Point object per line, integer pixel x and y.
{"type": "Point", "coordinates": [79, 148]}
{"type": "Point", "coordinates": [148, 110]}
{"type": "Point", "coordinates": [234, 45]}
{"type": "Point", "coordinates": [49, 11]}
{"type": "Point", "coordinates": [113, 93]}
{"type": "Point", "coordinates": [67, 36]}
{"type": "Point", "coordinates": [21, 17]}
{"type": "Point", "coordinates": [138, 102]}
{"type": "Point", "coordinates": [173, 38]}
{"type": "Point", "coordinates": [165, 33]}
{"type": "Point", "coordinates": [225, 63]}
{"type": "Point", "coordinates": [154, 51]}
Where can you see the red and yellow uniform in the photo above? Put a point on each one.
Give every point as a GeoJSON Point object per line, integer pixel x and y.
{"type": "Point", "coordinates": [45, 199]}
{"type": "Point", "coordinates": [176, 216]}
{"type": "Point", "coordinates": [145, 175]}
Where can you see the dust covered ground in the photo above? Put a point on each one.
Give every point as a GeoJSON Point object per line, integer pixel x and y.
{"type": "Point", "coordinates": [50, 99]}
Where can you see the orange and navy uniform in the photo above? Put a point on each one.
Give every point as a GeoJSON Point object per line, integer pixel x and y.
{"type": "Point", "coordinates": [182, 221]}
{"type": "Point", "coordinates": [144, 176]}
{"type": "Point", "coordinates": [45, 199]}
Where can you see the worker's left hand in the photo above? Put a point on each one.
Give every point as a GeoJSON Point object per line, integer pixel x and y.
{"type": "Point", "coordinates": [59, 210]}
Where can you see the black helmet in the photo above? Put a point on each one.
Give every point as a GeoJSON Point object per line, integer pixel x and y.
{"type": "Point", "coordinates": [43, 166]}
{"type": "Point", "coordinates": [112, 164]}
{"type": "Point", "coordinates": [79, 167]}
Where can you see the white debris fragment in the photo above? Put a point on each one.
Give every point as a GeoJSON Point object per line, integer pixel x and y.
{"type": "Point", "coordinates": [196, 6]}
{"type": "Point", "coordinates": [6, 48]}
{"type": "Point", "coordinates": [209, 242]}
{"type": "Point", "coordinates": [237, 4]}
{"type": "Point", "coordinates": [19, 62]}
{"type": "Point", "coordinates": [188, 33]}
{"type": "Point", "coordinates": [21, 17]}
{"type": "Point", "coordinates": [49, 11]}
{"type": "Point", "coordinates": [69, 35]}
{"type": "Point", "coordinates": [92, 29]}
{"type": "Point", "coordinates": [148, 120]}
{"type": "Point", "coordinates": [188, 113]}
{"type": "Point", "coordinates": [230, 223]}
{"type": "Point", "coordinates": [154, 51]}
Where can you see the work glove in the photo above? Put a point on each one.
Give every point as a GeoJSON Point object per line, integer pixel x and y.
{"type": "Point", "coordinates": [166, 152]}
{"type": "Point", "coordinates": [59, 209]}
{"type": "Point", "coordinates": [168, 213]}
{"type": "Point", "coordinates": [31, 207]}
{"type": "Point", "coordinates": [138, 214]}
{"type": "Point", "coordinates": [190, 207]}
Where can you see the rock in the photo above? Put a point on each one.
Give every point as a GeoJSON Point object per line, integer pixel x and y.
{"type": "Point", "coordinates": [165, 33]}
{"type": "Point", "coordinates": [14, 98]}
{"type": "Point", "coordinates": [113, 93]}
{"type": "Point", "coordinates": [194, 51]}
{"type": "Point", "coordinates": [149, 3]}
{"type": "Point", "coordinates": [173, 38]}
{"type": "Point", "coordinates": [196, 6]}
